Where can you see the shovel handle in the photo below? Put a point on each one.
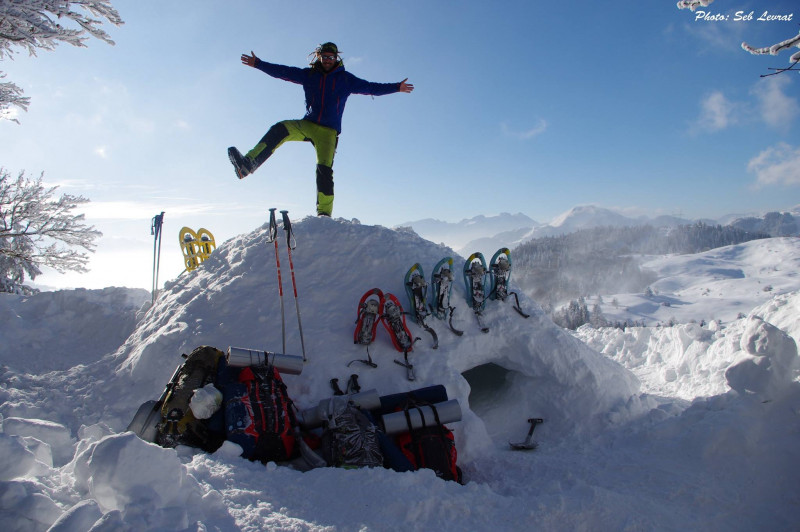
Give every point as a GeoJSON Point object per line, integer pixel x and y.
{"type": "Point", "coordinates": [534, 421]}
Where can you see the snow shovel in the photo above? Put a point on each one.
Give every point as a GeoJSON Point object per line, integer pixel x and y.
{"type": "Point", "coordinates": [528, 444]}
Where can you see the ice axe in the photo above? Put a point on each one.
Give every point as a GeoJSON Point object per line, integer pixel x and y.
{"type": "Point", "coordinates": [528, 444]}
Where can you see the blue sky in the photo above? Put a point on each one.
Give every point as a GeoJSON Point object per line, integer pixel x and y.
{"type": "Point", "coordinates": [526, 106]}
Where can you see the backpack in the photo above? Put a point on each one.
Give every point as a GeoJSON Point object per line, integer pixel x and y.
{"type": "Point", "coordinates": [178, 425]}
{"type": "Point", "coordinates": [432, 446]}
{"type": "Point", "coordinates": [259, 415]}
{"type": "Point", "coordinates": [349, 437]}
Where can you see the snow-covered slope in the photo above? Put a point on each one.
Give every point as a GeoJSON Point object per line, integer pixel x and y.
{"type": "Point", "coordinates": [719, 284]}
{"type": "Point", "coordinates": [611, 457]}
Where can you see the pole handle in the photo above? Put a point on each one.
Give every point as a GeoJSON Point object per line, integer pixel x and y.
{"type": "Point", "coordinates": [273, 226]}
{"type": "Point", "coordinates": [291, 242]}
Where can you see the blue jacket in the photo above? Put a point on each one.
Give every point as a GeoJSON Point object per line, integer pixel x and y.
{"type": "Point", "coordinates": [326, 94]}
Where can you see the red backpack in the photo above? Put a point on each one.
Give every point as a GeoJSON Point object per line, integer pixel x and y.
{"type": "Point", "coordinates": [432, 446]}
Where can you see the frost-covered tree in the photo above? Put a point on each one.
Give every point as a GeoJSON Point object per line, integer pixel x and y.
{"type": "Point", "coordinates": [39, 24]}
{"type": "Point", "coordinates": [791, 42]}
{"type": "Point", "coordinates": [597, 318]}
{"type": "Point", "coordinates": [37, 230]}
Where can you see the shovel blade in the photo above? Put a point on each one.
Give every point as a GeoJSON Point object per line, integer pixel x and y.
{"type": "Point", "coordinates": [523, 446]}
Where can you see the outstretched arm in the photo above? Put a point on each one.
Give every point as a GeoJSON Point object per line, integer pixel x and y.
{"type": "Point", "coordinates": [405, 87]}
{"type": "Point", "coordinates": [293, 74]}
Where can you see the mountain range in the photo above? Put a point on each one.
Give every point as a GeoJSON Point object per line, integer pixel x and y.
{"type": "Point", "coordinates": [487, 233]}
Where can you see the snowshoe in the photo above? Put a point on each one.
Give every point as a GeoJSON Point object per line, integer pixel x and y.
{"type": "Point", "coordinates": [500, 272]}
{"type": "Point", "coordinates": [500, 268]}
{"type": "Point", "coordinates": [189, 245]}
{"type": "Point", "coordinates": [477, 284]}
{"type": "Point", "coordinates": [395, 322]}
{"type": "Point", "coordinates": [206, 243]}
{"type": "Point", "coordinates": [417, 291]}
{"type": "Point", "coordinates": [370, 310]}
{"type": "Point", "coordinates": [442, 283]}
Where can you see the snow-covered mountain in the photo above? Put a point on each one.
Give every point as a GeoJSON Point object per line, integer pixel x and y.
{"type": "Point", "coordinates": [457, 235]}
{"type": "Point", "coordinates": [488, 234]}
{"type": "Point", "coordinates": [617, 451]}
{"type": "Point", "coordinates": [772, 223]}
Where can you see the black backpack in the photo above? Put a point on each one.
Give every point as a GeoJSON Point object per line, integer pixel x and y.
{"type": "Point", "coordinates": [349, 437]}
{"type": "Point", "coordinates": [178, 425]}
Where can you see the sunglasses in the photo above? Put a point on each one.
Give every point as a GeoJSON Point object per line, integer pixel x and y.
{"type": "Point", "coordinates": [328, 57]}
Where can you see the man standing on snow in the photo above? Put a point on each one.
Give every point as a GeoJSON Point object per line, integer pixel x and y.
{"type": "Point", "coordinates": [327, 86]}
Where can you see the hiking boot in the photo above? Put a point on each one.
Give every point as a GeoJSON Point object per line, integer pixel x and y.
{"type": "Point", "coordinates": [242, 165]}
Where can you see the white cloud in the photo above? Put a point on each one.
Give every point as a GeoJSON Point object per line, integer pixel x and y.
{"type": "Point", "coordinates": [133, 210]}
{"type": "Point", "coordinates": [716, 112]}
{"type": "Point", "coordinates": [536, 130]}
{"type": "Point", "coordinates": [777, 165]}
{"type": "Point", "coordinates": [775, 107]}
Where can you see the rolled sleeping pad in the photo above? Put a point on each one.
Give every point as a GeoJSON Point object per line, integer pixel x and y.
{"type": "Point", "coordinates": [315, 416]}
{"type": "Point", "coordinates": [430, 394]}
{"type": "Point", "coordinates": [449, 412]}
{"type": "Point", "coordinates": [240, 357]}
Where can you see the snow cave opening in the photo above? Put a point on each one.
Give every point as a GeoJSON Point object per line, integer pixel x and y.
{"type": "Point", "coordinates": [492, 397]}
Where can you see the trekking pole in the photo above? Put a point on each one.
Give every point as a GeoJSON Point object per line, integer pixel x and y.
{"type": "Point", "coordinates": [291, 243]}
{"type": "Point", "coordinates": [273, 237]}
{"type": "Point", "coordinates": [155, 229]}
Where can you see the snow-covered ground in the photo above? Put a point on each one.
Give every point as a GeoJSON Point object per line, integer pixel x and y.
{"type": "Point", "coordinates": [648, 435]}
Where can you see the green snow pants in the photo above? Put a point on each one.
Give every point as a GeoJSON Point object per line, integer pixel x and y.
{"type": "Point", "coordinates": [324, 140]}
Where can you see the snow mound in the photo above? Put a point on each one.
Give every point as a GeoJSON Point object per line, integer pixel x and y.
{"type": "Point", "coordinates": [232, 300]}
